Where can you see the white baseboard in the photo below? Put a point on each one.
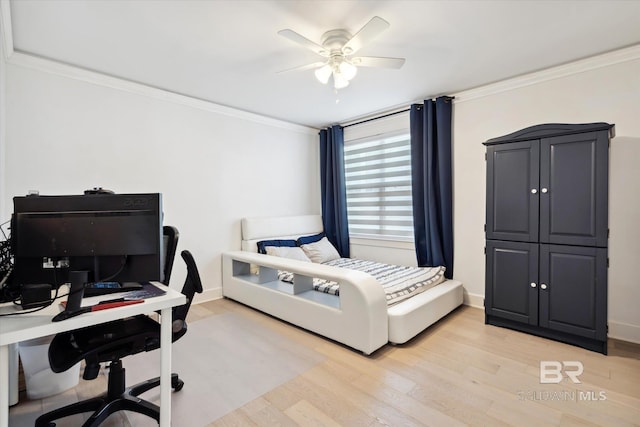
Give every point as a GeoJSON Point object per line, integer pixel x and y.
{"type": "Point", "coordinates": [624, 332]}
{"type": "Point", "coordinates": [208, 295]}
{"type": "Point", "coordinates": [473, 300]}
{"type": "Point", "coordinates": [617, 330]}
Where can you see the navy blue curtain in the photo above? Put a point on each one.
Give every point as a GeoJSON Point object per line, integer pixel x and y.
{"type": "Point", "coordinates": [332, 187]}
{"type": "Point", "coordinates": [431, 178]}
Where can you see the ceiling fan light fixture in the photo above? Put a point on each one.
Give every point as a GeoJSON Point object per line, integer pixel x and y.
{"type": "Point", "coordinates": [337, 47]}
{"type": "Point", "coordinates": [339, 81]}
{"type": "Point", "coordinates": [347, 70]}
{"type": "Point", "coordinates": [323, 74]}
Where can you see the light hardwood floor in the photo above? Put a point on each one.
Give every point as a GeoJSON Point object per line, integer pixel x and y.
{"type": "Point", "coordinates": [458, 372]}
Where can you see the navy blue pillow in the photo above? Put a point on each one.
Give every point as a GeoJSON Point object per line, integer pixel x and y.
{"type": "Point", "coordinates": [261, 244]}
{"type": "Point", "coordinates": [305, 240]}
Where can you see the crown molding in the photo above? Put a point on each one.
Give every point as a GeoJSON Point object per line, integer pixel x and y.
{"type": "Point", "coordinates": [33, 62]}
{"type": "Point", "coordinates": [47, 65]}
{"type": "Point", "coordinates": [630, 53]}
{"type": "Point", "coordinates": [65, 70]}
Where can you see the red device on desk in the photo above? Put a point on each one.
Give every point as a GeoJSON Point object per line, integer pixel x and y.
{"type": "Point", "coordinates": [113, 304]}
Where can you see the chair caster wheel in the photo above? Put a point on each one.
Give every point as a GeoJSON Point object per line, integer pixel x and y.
{"type": "Point", "coordinates": [177, 385]}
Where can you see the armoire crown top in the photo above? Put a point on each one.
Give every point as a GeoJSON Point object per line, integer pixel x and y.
{"type": "Point", "coordinates": [550, 130]}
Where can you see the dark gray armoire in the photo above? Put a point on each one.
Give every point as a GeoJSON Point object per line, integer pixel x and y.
{"type": "Point", "coordinates": [547, 232]}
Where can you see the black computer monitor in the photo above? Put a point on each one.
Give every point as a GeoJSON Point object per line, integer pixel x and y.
{"type": "Point", "coordinates": [115, 237]}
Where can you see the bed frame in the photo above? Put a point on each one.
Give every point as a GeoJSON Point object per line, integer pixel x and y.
{"type": "Point", "coordinates": [359, 317]}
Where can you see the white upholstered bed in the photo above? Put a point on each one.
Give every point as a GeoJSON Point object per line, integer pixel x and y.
{"type": "Point", "coordinates": [358, 317]}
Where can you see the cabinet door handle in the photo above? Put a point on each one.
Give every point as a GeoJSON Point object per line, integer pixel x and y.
{"type": "Point", "coordinates": [543, 286]}
{"type": "Point", "coordinates": [534, 190]}
{"type": "Point", "coordinates": [533, 285]}
{"type": "Point", "coordinates": [544, 190]}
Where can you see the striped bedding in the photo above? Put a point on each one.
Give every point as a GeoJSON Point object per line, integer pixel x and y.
{"type": "Point", "coordinates": [399, 282]}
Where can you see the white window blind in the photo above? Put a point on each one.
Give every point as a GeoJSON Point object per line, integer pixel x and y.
{"type": "Point", "coordinates": [378, 184]}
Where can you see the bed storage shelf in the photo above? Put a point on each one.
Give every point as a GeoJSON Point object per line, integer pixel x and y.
{"type": "Point", "coordinates": [267, 277]}
{"type": "Point", "coordinates": [302, 286]}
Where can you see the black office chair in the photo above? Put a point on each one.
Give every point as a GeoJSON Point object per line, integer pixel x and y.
{"type": "Point", "coordinates": [170, 238]}
{"type": "Point", "coordinates": [110, 342]}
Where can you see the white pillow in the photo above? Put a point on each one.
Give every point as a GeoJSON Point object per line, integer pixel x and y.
{"type": "Point", "coordinates": [287, 252]}
{"type": "Point", "coordinates": [321, 251]}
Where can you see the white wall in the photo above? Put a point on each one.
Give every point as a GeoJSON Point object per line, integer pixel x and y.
{"type": "Point", "coordinates": [3, 104]}
{"type": "Point", "coordinates": [610, 94]}
{"type": "Point", "coordinates": [69, 130]}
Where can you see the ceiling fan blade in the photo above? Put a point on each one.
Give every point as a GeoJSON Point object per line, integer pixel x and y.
{"type": "Point", "coordinates": [370, 31]}
{"type": "Point", "coordinates": [304, 42]}
{"type": "Point", "coordinates": [303, 67]}
{"type": "Point", "coordinates": [376, 61]}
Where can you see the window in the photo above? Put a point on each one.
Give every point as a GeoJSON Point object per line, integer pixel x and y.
{"type": "Point", "coordinates": [378, 184]}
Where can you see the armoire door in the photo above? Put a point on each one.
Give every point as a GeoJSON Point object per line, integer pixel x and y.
{"type": "Point", "coordinates": [512, 281]}
{"type": "Point", "coordinates": [573, 189]}
{"type": "Point", "coordinates": [512, 191]}
{"type": "Point", "coordinates": [573, 290]}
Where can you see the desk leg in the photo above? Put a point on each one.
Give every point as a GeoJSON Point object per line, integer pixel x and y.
{"type": "Point", "coordinates": [4, 386]}
{"type": "Point", "coordinates": [165, 367]}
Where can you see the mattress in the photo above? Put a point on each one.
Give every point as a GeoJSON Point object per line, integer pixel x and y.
{"type": "Point", "coordinates": [398, 282]}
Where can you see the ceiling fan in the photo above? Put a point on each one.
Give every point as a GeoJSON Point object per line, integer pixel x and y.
{"type": "Point", "coordinates": [338, 47]}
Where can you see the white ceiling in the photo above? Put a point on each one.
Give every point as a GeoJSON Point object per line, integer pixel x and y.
{"type": "Point", "coordinates": [228, 51]}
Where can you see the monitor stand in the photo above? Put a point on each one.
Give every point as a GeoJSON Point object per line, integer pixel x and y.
{"type": "Point", "coordinates": [76, 291]}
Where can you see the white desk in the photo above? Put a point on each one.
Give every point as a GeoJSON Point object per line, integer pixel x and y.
{"type": "Point", "coordinates": [14, 329]}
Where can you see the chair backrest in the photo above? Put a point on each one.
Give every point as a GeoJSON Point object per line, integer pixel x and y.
{"type": "Point", "coordinates": [192, 284]}
{"type": "Point", "coordinates": [170, 245]}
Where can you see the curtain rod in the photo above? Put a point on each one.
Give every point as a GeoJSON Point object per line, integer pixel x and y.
{"type": "Point", "coordinates": [376, 118]}
{"type": "Point", "coordinates": [387, 115]}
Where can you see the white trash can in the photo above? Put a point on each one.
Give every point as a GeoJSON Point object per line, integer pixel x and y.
{"type": "Point", "coordinates": [40, 380]}
{"type": "Point", "coordinates": [13, 374]}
